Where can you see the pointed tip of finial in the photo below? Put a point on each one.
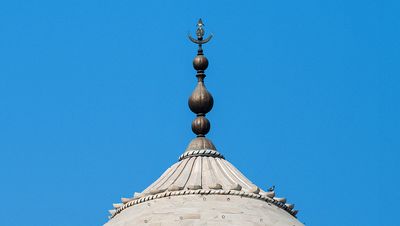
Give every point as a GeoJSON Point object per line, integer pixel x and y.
{"type": "Point", "coordinates": [200, 23]}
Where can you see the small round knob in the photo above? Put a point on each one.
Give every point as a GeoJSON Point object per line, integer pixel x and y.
{"type": "Point", "coordinates": [201, 126]}
{"type": "Point", "coordinates": [200, 63]}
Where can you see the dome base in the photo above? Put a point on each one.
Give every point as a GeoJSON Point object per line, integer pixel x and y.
{"type": "Point", "coordinates": [204, 210]}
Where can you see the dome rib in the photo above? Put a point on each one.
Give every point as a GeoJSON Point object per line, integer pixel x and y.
{"type": "Point", "coordinates": [164, 177]}
{"type": "Point", "coordinates": [208, 174]}
{"type": "Point", "coordinates": [194, 180]}
{"type": "Point", "coordinates": [183, 178]}
{"type": "Point", "coordinates": [174, 177]}
{"type": "Point", "coordinates": [239, 176]}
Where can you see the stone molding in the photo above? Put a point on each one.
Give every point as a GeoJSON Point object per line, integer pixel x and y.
{"type": "Point", "coordinates": [132, 202]}
{"type": "Point", "coordinates": [204, 152]}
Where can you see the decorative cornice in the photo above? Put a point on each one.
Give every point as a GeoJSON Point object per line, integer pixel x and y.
{"type": "Point", "coordinates": [287, 207]}
{"type": "Point", "coordinates": [206, 152]}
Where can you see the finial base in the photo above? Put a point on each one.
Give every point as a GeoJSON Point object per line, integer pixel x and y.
{"type": "Point", "coordinates": [200, 143]}
{"type": "Point", "coordinates": [200, 146]}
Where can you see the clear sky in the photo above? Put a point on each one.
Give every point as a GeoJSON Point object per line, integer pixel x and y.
{"type": "Point", "coordinates": [93, 103]}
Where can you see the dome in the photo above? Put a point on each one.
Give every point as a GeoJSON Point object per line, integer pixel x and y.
{"type": "Point", "coordinates": [203, 188]}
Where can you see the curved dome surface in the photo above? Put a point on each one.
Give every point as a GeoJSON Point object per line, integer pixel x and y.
{"type": "Point", "coordinates": [203, 188]}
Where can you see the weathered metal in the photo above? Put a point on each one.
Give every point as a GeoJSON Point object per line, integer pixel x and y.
{"type": "Point", "coordinates": [201, 126]}
{"type": "Point", "coordinates": [201, 101]}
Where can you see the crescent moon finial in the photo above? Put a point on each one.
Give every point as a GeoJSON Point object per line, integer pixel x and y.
{"type": "Point", "coordinates": [200, 33]}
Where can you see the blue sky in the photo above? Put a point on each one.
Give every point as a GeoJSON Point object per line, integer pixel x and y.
{"type": "Point", "coordinates": [93, 103]}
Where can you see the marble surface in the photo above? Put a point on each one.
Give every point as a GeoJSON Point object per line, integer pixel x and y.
{"type": "Point", "coordinates": [204, 210]}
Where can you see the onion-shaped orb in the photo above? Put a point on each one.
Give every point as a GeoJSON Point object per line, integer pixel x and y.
{"type": "Point", "coordinates": [201, 101]}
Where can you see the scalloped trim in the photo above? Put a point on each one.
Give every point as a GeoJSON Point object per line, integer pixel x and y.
{"type": "Point", "coordinates": [205, 152]}
{"type": "Point", "coordinates": [203, 192]}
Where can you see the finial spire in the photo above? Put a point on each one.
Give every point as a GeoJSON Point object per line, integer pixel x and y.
{"type": "Point", "coordinates": [200, 33]}
{"type": "Point", "coordinates": [201, 101]}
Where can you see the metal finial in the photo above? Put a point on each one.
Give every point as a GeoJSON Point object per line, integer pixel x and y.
{"type": "Point", "coordinates": [201, 101]}
{"type": "Point", "coordinates": [200, 33]}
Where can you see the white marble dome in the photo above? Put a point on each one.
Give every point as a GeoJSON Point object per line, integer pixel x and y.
{"type": "Point", "coordinates": [203, 188]}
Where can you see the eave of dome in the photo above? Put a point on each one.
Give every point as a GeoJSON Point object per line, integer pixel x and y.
{"type": "Point", "coordinates": [202, 175]}
{"type": "Point", "coordinates": [198, 209]}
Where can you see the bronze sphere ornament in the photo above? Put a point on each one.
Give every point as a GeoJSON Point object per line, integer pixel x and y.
{"type": "Point", "coordinates": [200, 126]}
{"type": "Point", "coordinates": [200, 63]}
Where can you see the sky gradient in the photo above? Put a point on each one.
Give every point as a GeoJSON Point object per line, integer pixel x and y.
{"type": "Point", "coordinates": [93, 103]}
